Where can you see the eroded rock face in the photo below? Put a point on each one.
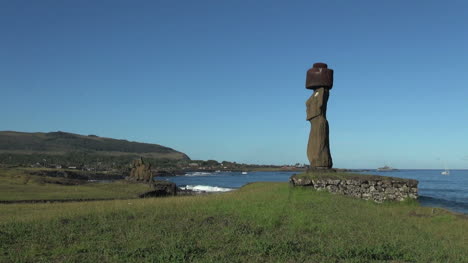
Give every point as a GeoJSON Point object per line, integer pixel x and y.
{"type": "Point", "coordinates": [318, 147]}
{"type": "Point", "coordinates": [160, 189]}
{"type": "Point", "coordinates": [140, 171]}
{"type": "Point", "coordinates": [320, 79]}
{"type": "Point", "coordinates": [378, 190]}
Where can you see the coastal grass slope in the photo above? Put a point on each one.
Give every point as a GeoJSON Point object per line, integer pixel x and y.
{"type": "Point", "coordinates": [261, 222]}
{"type": "Point", "coordinates": [19, 185]}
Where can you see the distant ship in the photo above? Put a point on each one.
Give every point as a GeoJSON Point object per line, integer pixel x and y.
{"type": "Point", "coordinates": [386, 169]}
{"type": "Point", "coordinates": [446, 171]}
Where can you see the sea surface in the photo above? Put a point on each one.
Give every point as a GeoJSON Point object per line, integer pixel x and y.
{"type": "Point", "coordinates": [435, 190]}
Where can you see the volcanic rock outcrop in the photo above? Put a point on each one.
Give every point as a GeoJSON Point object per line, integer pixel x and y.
{"type": "Point", "coordinates": [320, 79]}
{"type": "Point", "coordinates": [161, 189]}
{"type": "Point", "coordinates": [140, 171]}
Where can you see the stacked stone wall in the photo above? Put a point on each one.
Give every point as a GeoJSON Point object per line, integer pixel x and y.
{"type": "Point", "coordinates": [379, 189]}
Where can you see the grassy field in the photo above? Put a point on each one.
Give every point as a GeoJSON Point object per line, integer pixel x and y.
{"type": "Point", "coordinates": [18, 184]}
{"type": "Point", "coordinates": [343, 176]}
{"type": "Point", "coordinates": [261, 222]}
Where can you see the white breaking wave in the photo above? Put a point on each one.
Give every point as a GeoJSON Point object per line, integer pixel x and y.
{"type": "Point", "coordinates": [207, 188]}
{"type": "Point", "coordinates": [197, 174]}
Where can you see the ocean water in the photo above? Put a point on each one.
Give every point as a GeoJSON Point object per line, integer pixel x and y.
{"type": "Point", "coordinates": [225, 181]}
{"type": "Point", "coordinates": [435, 190]}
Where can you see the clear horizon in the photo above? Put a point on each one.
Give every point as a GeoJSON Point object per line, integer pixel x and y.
{"type": "Point", "coordinates": [225, 81]}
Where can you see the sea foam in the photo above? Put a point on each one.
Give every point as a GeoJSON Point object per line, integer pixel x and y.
{"type": "Point", "coordinates": [207, 188]}
{"type": "Point", "coordinates": [197, 174]}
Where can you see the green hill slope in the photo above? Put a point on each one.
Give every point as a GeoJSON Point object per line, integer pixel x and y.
{"type": "Point", "coordinates": [25, 145]}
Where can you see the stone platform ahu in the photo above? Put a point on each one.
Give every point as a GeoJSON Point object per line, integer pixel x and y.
{"type": "Point", "coordinates": [368, 187]}
{"type": "Point", "coordinates": [320, 79]}
{"type": "Point", "coordinates": [321, 175]}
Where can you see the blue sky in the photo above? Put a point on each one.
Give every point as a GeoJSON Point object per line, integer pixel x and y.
{"type": "Point", "coordinates": [224, 80]}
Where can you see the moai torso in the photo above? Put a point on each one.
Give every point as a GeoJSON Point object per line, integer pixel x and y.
{"type": "Point", "coordinates": [320, 79]}
{"type": "Point", "coordinates": [317, 103]}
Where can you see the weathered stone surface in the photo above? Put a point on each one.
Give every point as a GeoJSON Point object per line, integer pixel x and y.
{"type": "Point", "coordinates": [379, 189]}
{"type": "Point", "coordinates": [162, 173]}
{"type": "Point", "coordinates": [320, 79]}
{"type": "Point", "coordinates": [319, 76]}
{"type": "Point", "coordinates": [304, 181]}
{"type": "Point", "coordinates": [328, 171]}
{"type": "Point", "coordinates": [318, 147]}
{"type": "Point", "coordinates": [140, 171]}
{"type": "Point", "coordinates": [161, 188]}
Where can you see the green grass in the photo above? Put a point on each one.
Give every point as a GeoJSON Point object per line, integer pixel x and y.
{"type": "Point", "coordinates": [17, 184]}
{"type": "Point", "coordinates": [262, 222]}
{"type": "Point", "coordinates": [344, 176]}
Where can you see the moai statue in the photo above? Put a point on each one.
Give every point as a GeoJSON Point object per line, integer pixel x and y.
{"type": "Point", "coordinates": [320, 79]}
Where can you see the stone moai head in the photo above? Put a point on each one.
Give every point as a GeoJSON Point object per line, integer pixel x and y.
{"type": "Point", "coordinates": [319, 76]}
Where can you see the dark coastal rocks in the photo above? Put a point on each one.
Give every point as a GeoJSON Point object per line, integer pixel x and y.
{"type": "Point", "coordinates": [160, 189]}
{"type": "Point", "coordinates": [162, 173]}
{"type": "Point", "coordinates": [376, 188]}
{"type": "Point", "coordinates": [167, 188]}
{"type": "Point", "coordinates": [140, 172]}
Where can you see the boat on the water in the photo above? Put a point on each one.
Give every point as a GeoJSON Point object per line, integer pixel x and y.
{"type": "Point", "coordinates": [446, 171]}
{"type": "Point", "coordinates": [386, 169]}
{"type": "Point", "coordinates": [244, 172]}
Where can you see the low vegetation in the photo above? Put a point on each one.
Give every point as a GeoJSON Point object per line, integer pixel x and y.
{"type": "Point", "coordinates": [62, 142]}
{"type": "Point", "coordinates": [19, 184]}
{"type": "Point", "coordinates": [261, 222]}
{"type": "Point", "coordinates": [342, 175]}
{"type": "Point", "coordinates": [62, 149]}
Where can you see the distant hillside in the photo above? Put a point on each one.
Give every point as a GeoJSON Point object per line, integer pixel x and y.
{"type": "Point", "coordinates": [63, 143]}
